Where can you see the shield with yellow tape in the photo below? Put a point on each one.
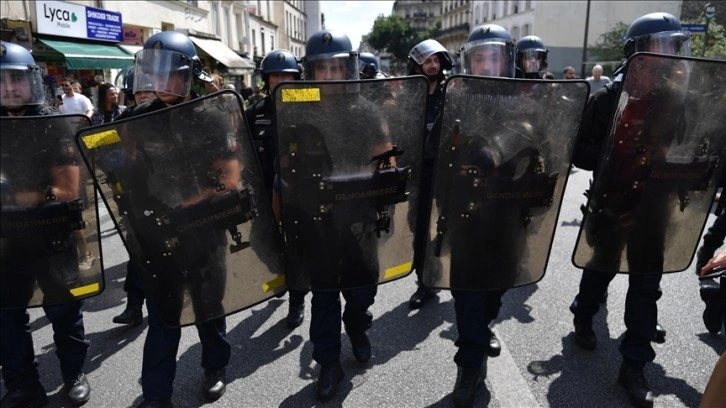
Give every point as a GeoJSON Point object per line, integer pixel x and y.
{"type": "Point", "coordinates": [185, 189]}
{"type": "Point", "coordinates": [349, 158]}
{"type": "Point", "coordinates": [50, 248]}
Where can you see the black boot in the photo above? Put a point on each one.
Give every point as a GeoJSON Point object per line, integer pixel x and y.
{"type": "Point", "coordinates": [584, 336]}
{"type": "Point", "coordinates": [132, 315]}
{"type": "Point", "coordinates": [32, 396]}
{"type": "Point", "coordinates": [330, 376]}
{"type": "Point", "coordinates": [361, 346]}
{"type": "Point", "coordinates": [422, 294]}
{"type": "Point", "coordinates": [468, 382]}
{"type": "Point", "coordinates": [660, 334]}
{"type": "Point", "coordinates": [712, 313]}
{"type": "Point", "coordinates": [78, 390]}
{"type": "Point", "coordinates": [295, 315]}
{"type": "Point", "coordinates": [633, 379]}
{"type": "Point", "coordinates": [495, 348]}
{"type": "Point", "coordinates": [215, 384]}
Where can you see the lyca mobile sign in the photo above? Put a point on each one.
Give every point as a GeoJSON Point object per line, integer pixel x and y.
{"type": "Point", "coordinates": [72, 20]}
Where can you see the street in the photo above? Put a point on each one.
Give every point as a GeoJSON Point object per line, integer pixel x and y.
{"type": "Point", "coordinates": [412, 363]}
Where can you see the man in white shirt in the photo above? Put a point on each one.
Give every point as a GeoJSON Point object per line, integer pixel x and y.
{"type": "Point", "coordinates": [597, 81]}
{"type": "Point", "coordinates": [74, 102]}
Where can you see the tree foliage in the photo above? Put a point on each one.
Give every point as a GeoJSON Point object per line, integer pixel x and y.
{"type": "Point", "coordinates": [609, 46]}
{"type": "Point", "coordinates": [394, 35]}
{"type": "Point", "coordinates": [716, 46]}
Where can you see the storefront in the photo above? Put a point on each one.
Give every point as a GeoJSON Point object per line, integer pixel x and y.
{"type": "Point", "coordinates": [79, 42]}
{"type": "Point", "coordinates": [220, 59]}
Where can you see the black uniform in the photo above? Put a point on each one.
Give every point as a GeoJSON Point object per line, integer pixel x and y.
{"type": "Point", "coordinates": [204, 255]}
{"type": "Point", "coordinates": [37, 259]}
{"type": "Point", "coordinates": [609, 233]}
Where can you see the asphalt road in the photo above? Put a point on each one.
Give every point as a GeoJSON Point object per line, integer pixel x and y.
{"type": "Point", "coordinates": [412, 363]}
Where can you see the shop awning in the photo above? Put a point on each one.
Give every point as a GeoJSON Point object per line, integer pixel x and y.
{"type": "Point", "coordinates": [130, 48]}
{"type": "Point", "coordinates": [217, 50]}
{"type": "Point", "coordinates": [90, 56]}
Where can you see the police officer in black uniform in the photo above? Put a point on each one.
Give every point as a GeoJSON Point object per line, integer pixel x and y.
{"type": "Point", "coordinates": [368, 66]}
{"type": "Point", "coordinates": [531, 57]}
{"type": "Point", "coordinates": [21, 94]}
{"type": "Point", "coordinates": [162, 342]}
{"type": "Point", "coordinates": [276, 67]}
{"type": "Point", "coordinates": [431, 59]}
{"type": "Point", "coordinates": [489, 51]}
{"type": "Point", "coordinates": [644, 34]}
{"type": "Point", "coordinates": [133, 286]}
{"type": "Point", "coordinates": [337, 261]}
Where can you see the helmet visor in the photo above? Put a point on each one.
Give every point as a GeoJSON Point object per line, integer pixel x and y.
{"type": "Point", "coordinates": [20, 87]}
{"type": "Point", "coordinates": [490, 58]}
{"type": "Point", "coordinates": [532, 61]}
{"type": "Point", "coordinates": [169, 72]}
{"type": "Point", "coordinates": [666, 42]}
{"type": "Point", "coordinates": [338, 68]}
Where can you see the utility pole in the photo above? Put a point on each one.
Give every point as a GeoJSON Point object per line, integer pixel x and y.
{"type": "Point", "coordinates": [709, 11]}
{"type": "Point", "coordinates": [584, 45]}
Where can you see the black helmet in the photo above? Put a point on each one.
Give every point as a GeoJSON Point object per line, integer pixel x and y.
{"type": "Point", "coordinates": [531, 54]}
{"type": "Point", "coordinates": [125, 80]}
{"type": "Point", "coordinates": [489, 51]}
{"type": "Point", "coordinates": [20, 77]}
{"type": "Point", "coordinates": [279, 61]}
{"type": "Point", "coordinates": [425, 49]}
{"type": "Point", "coordinates": [330, 52]}
{"type": "Point", "coordinates": [659, 33]}
{"type": "Point", "coordinates": [166, 54]}
{"type": "Point", "coordinates": [368, 66]}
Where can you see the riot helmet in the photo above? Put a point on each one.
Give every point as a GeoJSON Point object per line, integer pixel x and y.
{"type": "Point", "coordinates": [21, 82]}
{"type": "Point", "coordinates": [423, 51]}
{"type": "Point", "coordinates": [125, 80]}
{"type": "Point", "coordinates": [659, 33]}
{"type": "Point", "coordinates": [368, 66]}
{"type": "Point", "coordinates": [329, 55]}
{"type": "Point", "coordinates": [489, 51]}
{"type": "Point", "coordinates": [171, 61]}
{"type": "Point", "coordinates": [279, 62]}
{"type": "Point", "coordinates": [531, 55]}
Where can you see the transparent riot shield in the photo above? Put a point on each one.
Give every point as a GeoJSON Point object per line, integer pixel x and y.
{"type": "Point", "coordinates": [660, 167]}
{"type": "Point", "coordinates": [50, 246]}
{"type": "Point", "coordinates": [185, 191]}
{"type": "Point", "coordinates": [502, 165]}
{"type": "Point", "coordinates": [349, 163]}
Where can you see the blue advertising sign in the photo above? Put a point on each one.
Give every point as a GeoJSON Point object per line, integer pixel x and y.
{"type": "Point", "coordinates": [694, 28]}
{"type": "Point", "coordinates": [104, 25]}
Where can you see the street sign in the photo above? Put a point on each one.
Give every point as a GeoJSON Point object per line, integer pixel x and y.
{"type": "Point", "coordinates": [694, 28]}
{"type": "Point", "coordinates": [710, 11]}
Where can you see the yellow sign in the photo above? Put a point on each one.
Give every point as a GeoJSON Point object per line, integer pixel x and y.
{"type": "Point", "coordinates": [301, 95]}
{"type": "Point", "coordinates": [106, 138]}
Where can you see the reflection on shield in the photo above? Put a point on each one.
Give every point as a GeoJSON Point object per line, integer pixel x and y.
{"type": "Point", "coordinates": [661, 166]}
{"type": "Point", "coordinates": [503, 161]}
{"type": "Point", "coordinates": [185, 190]}
{"type": "Point", "coordinates": [50, 247]}
{"type": "Point", "coordinates": [349, 161]}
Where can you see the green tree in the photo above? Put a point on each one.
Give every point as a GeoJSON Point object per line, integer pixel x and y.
{"type": "Point", "coordinates": [394, 35]}
{"type": "Point", "coordinates": [716, 47]}
{"type": "Point", "coordinates": [609, 46]}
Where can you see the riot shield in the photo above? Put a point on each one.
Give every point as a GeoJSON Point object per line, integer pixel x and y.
{"type": "Point", "coordinates": [185, 191]}
{"type": "Point", "coordinates": [658, 174]}
{"type": "Point", "coordinates": [50, 246]}
{"type": "Point", "coordinates": [349, 158]}
{"type": "Point", "coordinates": [502, 165]}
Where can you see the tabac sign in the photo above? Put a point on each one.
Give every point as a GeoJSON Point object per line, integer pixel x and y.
{"type": "Point", "coordinates": [73, 20]}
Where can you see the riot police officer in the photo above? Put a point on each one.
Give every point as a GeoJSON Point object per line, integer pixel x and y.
{"type": "Point", "coordinates": [330, 56]}
{"type": "Point", "coordinates": [488, 51]}
{"type": "Point", "coordinates": [276, 67]}
{"type": "Point", "coordinates": [659, 33]}
{"type": "Point", "coordinates": [431, 59]}
{"type": "Point", "coordinates": [176, 52]}
{"type": "Point", "coordinates": [368, 66]}
{"type": "Point", "coordinates": [531, 57]}
{"type": "Point", "coordinates": [22, 94]}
